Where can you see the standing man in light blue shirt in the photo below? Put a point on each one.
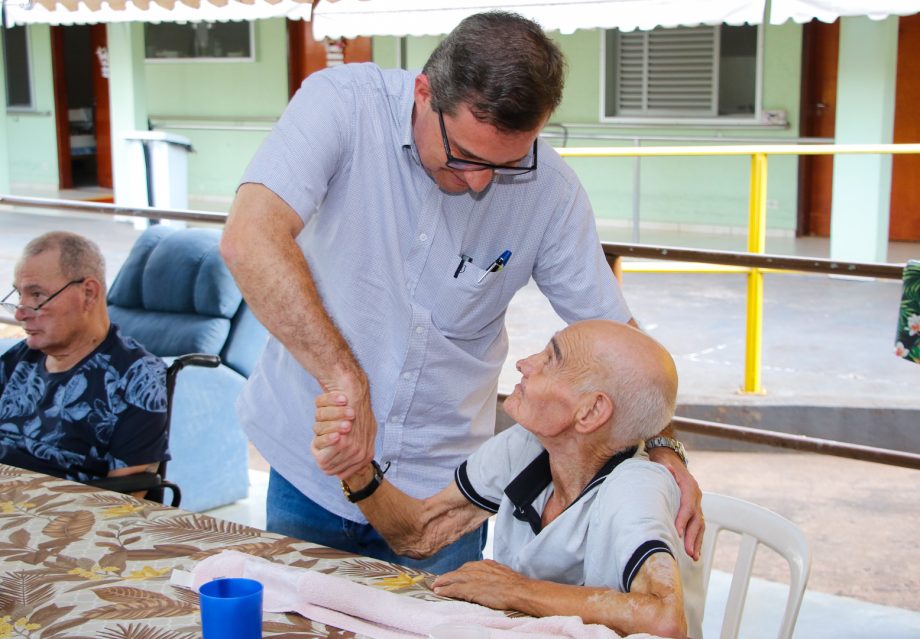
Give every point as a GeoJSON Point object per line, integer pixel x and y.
{"type": "Point", "coordinates": [366, 236]}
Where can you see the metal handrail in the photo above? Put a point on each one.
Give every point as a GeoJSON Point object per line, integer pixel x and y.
{"type": "Point", "coordinates": [104, 208]}
{"type": "Point", "coordinates": [789, 441]}
{"type": "Point", "coordinates": [801, 443]}
{"type": "Point", "coordinates": [740, 149]}
{"type": "Point", "coordinates": [617, 250]}
{"type": "Point", "coordinates": [576, 131]}
{"type": "Point", "coordinates": [613, 252]}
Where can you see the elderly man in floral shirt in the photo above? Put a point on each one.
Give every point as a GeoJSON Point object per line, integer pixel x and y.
{"type": "Point", "coordinates": [77, 399]}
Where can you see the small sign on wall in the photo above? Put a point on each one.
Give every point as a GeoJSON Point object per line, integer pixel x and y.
{"type": "Point", "coordinates": [102, 53]}
{"type": "Point", "coordinates": [335, 52]}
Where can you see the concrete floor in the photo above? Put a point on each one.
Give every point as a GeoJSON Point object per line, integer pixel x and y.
{"type": "Point", "coordinates": [857, 515]}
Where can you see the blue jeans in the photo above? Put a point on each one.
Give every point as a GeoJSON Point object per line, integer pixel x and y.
{"type": "Point", "coordinates": [290, 512]}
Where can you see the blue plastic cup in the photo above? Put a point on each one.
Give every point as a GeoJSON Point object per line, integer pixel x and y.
{"type": "Point", "coordinates": [231, 609]}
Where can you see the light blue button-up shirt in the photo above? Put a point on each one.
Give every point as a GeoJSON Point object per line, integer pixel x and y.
{"type": "Point", "coordinates": [383, 243]}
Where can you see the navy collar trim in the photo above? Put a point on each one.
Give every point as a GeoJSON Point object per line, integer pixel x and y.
{"type": "Point", "coordinates": [536, 476]}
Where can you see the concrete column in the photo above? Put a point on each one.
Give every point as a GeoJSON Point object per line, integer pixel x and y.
{"type": "Point", "coordinates": [4, 137]}
{"type": "Point", "coordinates": [865, 115]}
{"type": "Point", "coordinates": [127, 96]}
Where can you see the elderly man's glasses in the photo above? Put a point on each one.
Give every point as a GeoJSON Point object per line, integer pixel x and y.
{"type": "Point", "coordinates": [11, 307]}
{"type": "Point", "coordinates": [471, 165]}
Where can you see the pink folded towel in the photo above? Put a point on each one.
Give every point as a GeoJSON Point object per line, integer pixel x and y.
{"type": "Point", "coordinates": [376, 613]}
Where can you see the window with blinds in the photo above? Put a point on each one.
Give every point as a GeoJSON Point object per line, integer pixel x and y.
{"type": "Point", "coordinates": [687, 72]}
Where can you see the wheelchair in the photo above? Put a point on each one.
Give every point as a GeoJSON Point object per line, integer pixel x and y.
{"type": "Point", "coordinates": [156, 484]}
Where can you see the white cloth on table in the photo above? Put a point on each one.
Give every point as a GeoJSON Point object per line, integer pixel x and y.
{"type": "Point", "coordinates": [377, 613]}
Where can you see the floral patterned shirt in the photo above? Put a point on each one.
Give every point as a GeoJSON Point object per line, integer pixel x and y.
{"type": "Point", "coordinates": [107, 412]}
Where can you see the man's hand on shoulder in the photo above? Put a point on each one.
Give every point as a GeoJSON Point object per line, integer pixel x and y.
{"type": "Point", "coordinates": [689, 523]}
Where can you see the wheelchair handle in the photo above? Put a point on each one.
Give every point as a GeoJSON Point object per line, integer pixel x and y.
{"type": "Point", "coordinates": [195, 359]}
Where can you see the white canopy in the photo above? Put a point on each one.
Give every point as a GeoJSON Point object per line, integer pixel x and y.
{"type": "Point", "coordinates": [830, 10]}
{"type": "Point", "coordinates": [100, 11]}
{"type": "Point", "coordinates": [352, 18]}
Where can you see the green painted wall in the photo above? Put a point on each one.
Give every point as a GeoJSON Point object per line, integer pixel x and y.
{"type": "Point", "coordinates": [227, 94]}
{"type": "Point", "coordinates": [386, 52]}
{"type": "Point", "coordinates": [418, 50]}
{"type": "Point", "coordinates": [31, 135]}
{"type": "Point", "coordinates": [4, 151]}
{"type": "Point", "coordinates": [865, 115]}
{"type": "Point", "coordinates": [128, 112]}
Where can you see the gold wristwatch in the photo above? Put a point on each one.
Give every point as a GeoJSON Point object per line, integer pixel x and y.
{"type": "Point", "coordinates": [355, 496]}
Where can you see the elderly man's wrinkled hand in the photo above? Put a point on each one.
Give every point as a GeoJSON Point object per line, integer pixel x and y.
{"type": "Point", "coordinates": [486, 582]}
{"type": "Point", "coordinates": [343, 436]}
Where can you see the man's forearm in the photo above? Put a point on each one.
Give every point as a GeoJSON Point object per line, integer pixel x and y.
{"type": "Point", "coordinates": [653, 605]}
{"type": "Point", "coordinates": [258, 246]}
{"type": "Point", "coordinates": [627, 613]}
{"type": "Point", "coordinates": [412, 527]}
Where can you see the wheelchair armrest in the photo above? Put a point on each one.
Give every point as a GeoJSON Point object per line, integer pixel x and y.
{"type": "Point", "coordinates": [136, 483]}
{"type": "Point", "coordinates": [128, 483]}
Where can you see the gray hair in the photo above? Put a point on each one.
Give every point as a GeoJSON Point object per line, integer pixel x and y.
{"type": "Point", "coordinates": [79, 256]}
{"type": "Point", "coordinates": [644, 394]}
{"type": "Point", "coordinates": [503, 66]}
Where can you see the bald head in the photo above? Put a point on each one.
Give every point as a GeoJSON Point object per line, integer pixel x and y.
{"type": "Point", "coordinates": [631, 368]}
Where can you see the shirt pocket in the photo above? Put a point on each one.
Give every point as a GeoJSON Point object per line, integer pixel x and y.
{"type": "Point", "coordinates": [470, 305]}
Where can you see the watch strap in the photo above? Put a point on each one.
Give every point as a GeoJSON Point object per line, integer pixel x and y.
{"type": "Point", "coordinates": [354, 496]}
{"type": "Point", "coordinates": [659, 441]}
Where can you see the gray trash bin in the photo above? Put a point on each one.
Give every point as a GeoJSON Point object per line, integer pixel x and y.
{"type": "Point", "coordinates": [157, 170]}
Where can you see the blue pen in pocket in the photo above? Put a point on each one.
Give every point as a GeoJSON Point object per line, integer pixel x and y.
{"type": "Point", "coordinates": [497, 265]}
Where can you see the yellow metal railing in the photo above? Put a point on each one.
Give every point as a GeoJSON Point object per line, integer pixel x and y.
{"type": "Point", "coordinates": [757, 214]}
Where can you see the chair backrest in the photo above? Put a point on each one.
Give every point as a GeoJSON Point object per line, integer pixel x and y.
{"type": "Point", "coordinates": [175, 295]}
{"type": "Point", "coordinates": [756, 525]}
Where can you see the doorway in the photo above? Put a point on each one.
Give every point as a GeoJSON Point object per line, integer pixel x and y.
{"type": "Point", "coordinates": [79, 56]}
{"type": "Point", "coordinates": [904, 223]}
{"type": "Point", "coordinates": [821, 44]}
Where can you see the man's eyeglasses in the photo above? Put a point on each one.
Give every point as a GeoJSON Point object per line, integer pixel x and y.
{"type": "Point", "coordinates": [471, 165]}
{"type": "Point", "coordinates": [11, 308]}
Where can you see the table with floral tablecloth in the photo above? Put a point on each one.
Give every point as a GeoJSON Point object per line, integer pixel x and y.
{"type": "Point", "coordinates": [78, 562]}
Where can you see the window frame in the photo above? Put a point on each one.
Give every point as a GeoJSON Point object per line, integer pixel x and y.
{"type": "Point", "coordinates": [19, 108]}
{"type": "Point", "coordinates": [755, 119]}
{"type": "Point", "coordinates": [250, 58]}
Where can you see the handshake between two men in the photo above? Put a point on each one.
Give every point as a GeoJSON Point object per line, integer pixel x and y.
{"type": "Point", "coordinates": [583, 525]}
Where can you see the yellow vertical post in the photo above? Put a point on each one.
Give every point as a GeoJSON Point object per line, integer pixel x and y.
{"type": "Point", "coordinates": [757, 234]}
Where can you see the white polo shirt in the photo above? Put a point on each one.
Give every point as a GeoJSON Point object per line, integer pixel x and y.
{"type": "Point", "coordinates": [624, 515]}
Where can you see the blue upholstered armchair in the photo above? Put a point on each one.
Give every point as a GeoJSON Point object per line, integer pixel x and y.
{"type": "Point", "coordinates": [175, 295]}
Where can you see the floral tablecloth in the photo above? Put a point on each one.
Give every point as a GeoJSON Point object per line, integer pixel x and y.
{"type": "Point", "coordinates": [78, 562]}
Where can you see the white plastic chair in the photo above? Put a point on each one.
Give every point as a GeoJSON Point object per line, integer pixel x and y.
{"type": "Point", "coordinates": [756, 525]}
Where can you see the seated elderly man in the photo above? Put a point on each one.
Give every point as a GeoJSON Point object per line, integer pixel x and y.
{"type": "Point", "coordinates": [584, 527]}
{"type": "Point", "coordinates": [77, 399]}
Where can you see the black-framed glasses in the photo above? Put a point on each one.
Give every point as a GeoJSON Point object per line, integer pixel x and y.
{"type": "Point", "coordinates": [11, 308]}
{"type": "Point", "coordinates": [472, 165]}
